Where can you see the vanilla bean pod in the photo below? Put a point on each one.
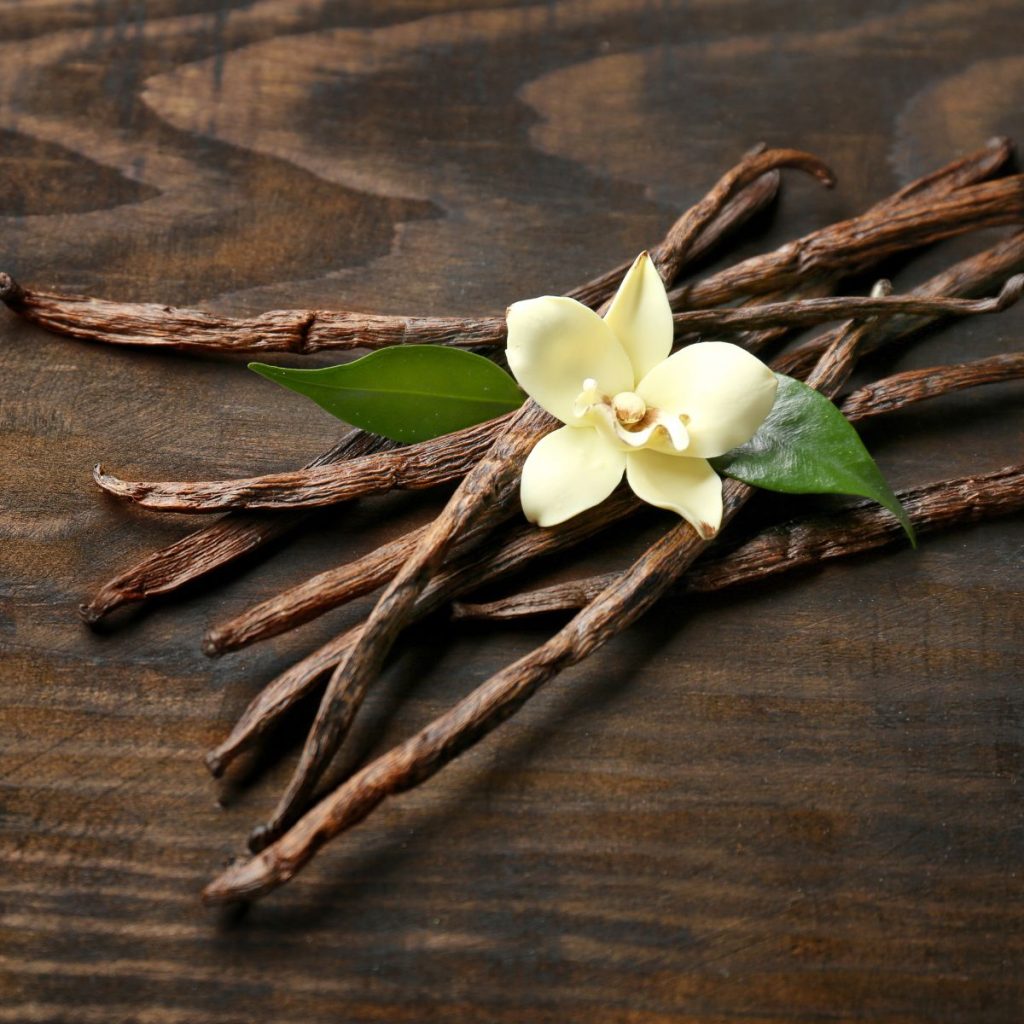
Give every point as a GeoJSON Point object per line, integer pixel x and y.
{"type": "Point", "coordinates": [415, 466]}
{"type": "Point", "coordinates": [967, 170]}
{"type": "Point", "coordinates": [917, 385]}
{"type": "Point", "coordinates": [303, 331]}
{"type": "Point", "coordinates": [975, 275]}
{"type": "Point", "coordinates": [811, 312]}
{"type": "Point", "coordinates": [418, 758]}
{"type": "Point", "coordinates": [480, 498]}
{"type": "Point", "coordinates": [298, 331]}
{"type": "Point", "coordinates": [939, 205]}
{"type": "Point", "coordinates": [796, 545]}
{"type": "Point", "coordinates": [817, 287]}
{"type": "Point", "coordinates": [232, 537]}
{"type": "Point", "coordinates": [312, 597]}
{"type": "Point", "coordinates": [852, 246]}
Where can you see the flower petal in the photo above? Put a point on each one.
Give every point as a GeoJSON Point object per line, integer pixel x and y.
{"type": "Point", "coordinates": [641, 317]}
{"type": "Point", "coordinates": [724, 392]}
{"type": "Point", "coordinates": [569, 471]}
{"type": "Point", "coordinates": [555, 344]}
{"type": "Point", "coordinates": [687, 486]}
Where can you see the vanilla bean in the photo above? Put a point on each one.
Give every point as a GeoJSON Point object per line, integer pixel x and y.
{"type": "Point", "coordinates": [230, 538]}
{"type": "Point", "coordinates": [845, 248]}
{"type": "Point", "coordinates": [852, 246]}
{"type": "Point", "coordinates": [975, 275]}
{"type": "Point", "coordinates": [796, 545]}
{"type": "Point", "coordinates": [670, 255]}
{"type": "Point", "coordinates": [313, 597]}
{"type": "Point", "coordinates": [967, 170]}
{"type": "Point", "coordinates": [931, 508]}
{"type": "Point", "coordinates": [300, 331]}
{"type": "Point", "coordinates": [749, 201]}
{"type": "Point", "coordinates": [303, 331]}
{"type": "Point", "coordinates": [416, 466]}
{"type": "Point", "coordinates": [917, 385]}
{"type": "Point", "coordinates": [480, 498]}
{"type": "Point", "coordinates": [810, 312]}
{"type": "Point", "coordinates": [818, 287]}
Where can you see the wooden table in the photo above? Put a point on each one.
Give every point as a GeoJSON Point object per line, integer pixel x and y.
{"type": "Point", "coordinates": [798, 802]}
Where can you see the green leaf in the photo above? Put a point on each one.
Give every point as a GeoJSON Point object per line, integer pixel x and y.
{"type": "Point", "coordinates": [406, 392]}
{"type": "Point", "coordinates": [807, 446]}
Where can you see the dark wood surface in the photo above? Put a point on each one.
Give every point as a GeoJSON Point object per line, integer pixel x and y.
{"type": "Point", "coordinates": [800, 802]}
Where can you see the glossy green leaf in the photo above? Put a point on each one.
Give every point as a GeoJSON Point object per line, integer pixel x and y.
{"type": "Point", "coordinates": [807, 446]}
{"type": "Point", "coordinates": [406, 392]}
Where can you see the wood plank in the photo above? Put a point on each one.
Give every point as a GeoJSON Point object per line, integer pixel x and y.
{"type": "Point", "coordinates": [800, 802]}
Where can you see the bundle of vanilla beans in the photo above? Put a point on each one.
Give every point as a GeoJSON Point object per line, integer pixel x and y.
{"type": "Point", "coordinates": [481, 535]}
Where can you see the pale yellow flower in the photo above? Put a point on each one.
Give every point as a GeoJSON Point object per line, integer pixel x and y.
{"type": "Point", "coordinates": [628, 405]}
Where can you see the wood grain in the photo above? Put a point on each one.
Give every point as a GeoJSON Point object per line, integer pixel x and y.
{"type": "Point", "coordinates": [819, 819]}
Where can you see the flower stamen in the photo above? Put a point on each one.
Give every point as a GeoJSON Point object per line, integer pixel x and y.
{"type": "Point", "coordinates": [629, 408]}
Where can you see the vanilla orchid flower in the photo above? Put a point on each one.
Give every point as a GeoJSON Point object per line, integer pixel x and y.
{"type": "Point", "coordinates": [628, 405]}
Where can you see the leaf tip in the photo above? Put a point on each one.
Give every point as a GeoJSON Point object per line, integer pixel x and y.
{"type": "Point", "coordinates": [911, 533]}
